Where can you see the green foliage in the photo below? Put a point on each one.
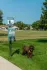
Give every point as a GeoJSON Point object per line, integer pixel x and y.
{"type": "Point", "coordinates": [42, 23]}
{"type": "Point", "coordinates": [21, 25]}
{"type": "Point", "coordinates": [36, 25]}
{"type": "Point", "coordinates": [43, 17]}
{"type": "Point", "coordinates": [1, 17]}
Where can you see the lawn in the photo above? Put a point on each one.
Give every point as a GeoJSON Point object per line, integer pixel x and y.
{"type": "Point", "coordinates": [38, 61]}
{"type": "Point", "coordinates": [24, 34]}
{"type": "Point", "coordinates": [29, 34]}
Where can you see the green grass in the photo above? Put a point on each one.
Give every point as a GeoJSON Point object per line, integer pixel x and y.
{"type": "Point", "coordinates": [27, 37]}
{"type": "Point", "coordinates": [37, 62]}
{"type": "Point", "coordinates": [24, 34]}
{"type": "Point", "coordinates": [29, 34]}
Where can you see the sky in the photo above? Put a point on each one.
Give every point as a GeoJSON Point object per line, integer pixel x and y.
{"type": "Point", "coordinates": [27, 11]}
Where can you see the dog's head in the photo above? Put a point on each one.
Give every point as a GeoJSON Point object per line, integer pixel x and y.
{"type": "Point", "coordinates": [31, 47]}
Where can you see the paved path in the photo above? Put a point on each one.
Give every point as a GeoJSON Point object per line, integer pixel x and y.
{"type": "Point", "coordinates": [6, 65]}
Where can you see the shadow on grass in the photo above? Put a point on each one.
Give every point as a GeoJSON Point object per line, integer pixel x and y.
{"type": "Point", "coordinates": [42, 40]}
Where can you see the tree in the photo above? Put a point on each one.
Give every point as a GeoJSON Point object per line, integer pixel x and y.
{"type": "Point", "coordinates": [36, 25]}
{"type": "Point", "coordinates": [20, 24]}
{"type": "Point", "coordinates": [43, 18]}
{"type": "Point", "coordinates": [1, 17]}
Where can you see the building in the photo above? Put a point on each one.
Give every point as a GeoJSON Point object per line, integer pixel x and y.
{"type": "Point", "coordinates": [16, 28]}
{"type": "Point", "coordinates": [5, 27]}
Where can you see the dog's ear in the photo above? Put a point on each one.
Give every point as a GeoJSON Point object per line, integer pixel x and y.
{"type": "Point", "coordinates": [32, 47]}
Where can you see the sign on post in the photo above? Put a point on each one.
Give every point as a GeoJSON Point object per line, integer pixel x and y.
{"type": "Point", "coordinates": [10, 19]}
